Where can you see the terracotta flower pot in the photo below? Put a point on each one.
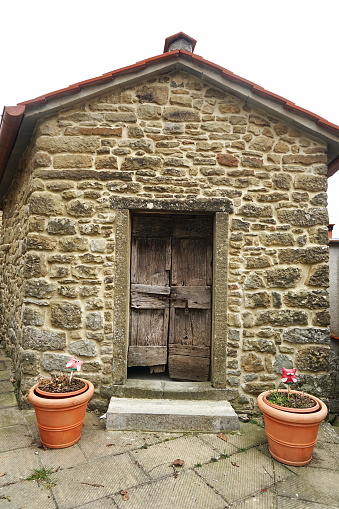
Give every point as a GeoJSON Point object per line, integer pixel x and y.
{"type": "Point", "coordinates": [291, 435]}
{"type": "Point", "coordinates": [60, 419]}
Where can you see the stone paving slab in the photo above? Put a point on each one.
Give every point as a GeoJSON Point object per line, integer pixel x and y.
{"type": "Point", "coordinates": [102, 503]}
{"type": "Point", "coordinates": [61, 458]}
{"type": "Point", "coordinates": [249, 435]}
{"type": "Point", "coordinates": [6, 386]}
{"type": "Point", "coordinates": [14, 437]}
{"type": "Point", "coordinates": [17, 465]}
{"type": "Point", "coordinates": [327, 434]}
{"type": "Point", "coordinates": [26, 495]}
{"type": "Point", "coordinates": [99, 478]}
{"type": "Point", "coordinates": [288, 503]}
{"type": "Point", "coordinates": [312, 485]}
{"type": "Point", "coordinates": [11, 417]}
{"type": "Point", "coordinates": [262, 500]}
{"type": "Point", "coordinates": [325, 456]}
{"type": "Point", "coordinates": [5, 363]}
{"type": "Point", "coordinates": [5, 375]}
{"type": "Point", "coordinates": [108, 443]}
{"type": "Point", "coordinates": [187, 491]}
{"type": "Point", "coordinates": [157, 460]}
{"type": "Point", "coordinates": [7, 399]}
{"type": "Point", "coordinates": [242, 474]}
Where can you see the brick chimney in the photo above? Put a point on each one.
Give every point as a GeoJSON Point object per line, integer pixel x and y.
{"type": "Point", "coordinates": [179, 41]}
{"type": "Point", "coordinates": [330, 230]}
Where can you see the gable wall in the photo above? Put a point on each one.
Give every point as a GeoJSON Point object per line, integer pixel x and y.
{"type": "Point", "coordinates": [175, 138]}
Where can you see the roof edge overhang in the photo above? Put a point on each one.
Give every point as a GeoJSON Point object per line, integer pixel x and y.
{"type": "Point", "coordinates": [19, 132]}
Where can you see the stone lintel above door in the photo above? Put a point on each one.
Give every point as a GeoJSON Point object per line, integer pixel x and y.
{"type": "Point", "coordinates": [194, 205]}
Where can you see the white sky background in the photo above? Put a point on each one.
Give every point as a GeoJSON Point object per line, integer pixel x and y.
{"type": "Point", "coordinates": [290, 48]}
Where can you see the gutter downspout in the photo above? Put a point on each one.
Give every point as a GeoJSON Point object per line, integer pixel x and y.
{"type": "Point", "coordinates": [11, 120]}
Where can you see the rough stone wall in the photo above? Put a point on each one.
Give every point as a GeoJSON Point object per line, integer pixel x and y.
{"type": "Point", "coordinates": [172, 138]}
{"type": "Point", "coordinates": [14, 230]}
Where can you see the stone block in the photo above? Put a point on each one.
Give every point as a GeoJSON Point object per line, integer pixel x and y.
{"type": "Point", "coordinates": [61, 226]}
{"type": "Point", "coordinates": [121, 116]}
{"type": "Point", "coordinates": [307, 335]}
{"type": "Point", "coordinates": [45, 204]}
{"type": "Point", "coordinates": [39, 288]}
{"type": "Point", "coordinates": [84, 348]}
{"type": "Point", "coordinates": [66, 315]}
{"type": "Point", "coordinates": [170, 415]}
{"type": "Point", "coordinates": [139, 144]}
{"type": "Point", "coordinates": [260, 345]}
{"type": "Point", "coordinates": [42, 339]}
{"type": "Point", "coordinates": [72, 161]}
{"type": "Point", "coordinates": [40, 242]}
{"type": "Point", "coordinates": [67, 291]}
{"type": "Point", "coordinates": [282, 361]}
{"type": "Point", "coordinates": [304, 159]}
{"type": "Point", "coordinates": [42, 160]}
{"type": "Point", "coordinates": [318, 276]}
{"type": "Point", "coordinates": [228, 160]}
{"type": "Point", "coordinates": [95, 320]}
{"type": "Point", "coordinates": [257, 299]}
{"type": "Point", "coordinates": [80, 208]}
{"type": "Point", "coordinates": [253, 281]}
{"type": "Point", "coordinates": [282, 318]}
{"type": "Point", "coordinates": [32, 316]}
{"type": "Point", "coordinates": [282, 181]}
{"type": "Point", "coordinates": [283, 278]}
{"type": "Point", "coordinates": [29, 362]}
{"type": "Point", "coordinates": [257, 262]}
{"type": "Point", "coordinates": [307, 299]}
{"type": "Point", "coordinates": [149, 112]}
{"type": "Point", "coordinates": [303, 217]}
{"type": "Point", "coordinates": [251, 363]}
{"type": "Point", "coordinates": [313, 358]}
{"type": "Point", "coordinates": [85, 271]}
{"type": "Point", "coordinates": [137, 163]}
{"type": "Point", "coordinates": [252, 210]}
{"type": "Point", "coordinates": [54, 362]}
{"type": "Point", "coordinates": [73, 244]}
{"type": "Point", "coordinates": [157, 94]}
{"type": "Point", "coordinates": [312, 183]}
{"type": "Point", "coordinates": [307, 255]}
{"type": "Point", "coordinates": [64, 144]}
{"type": "Point", "coordinates": [34, 265]}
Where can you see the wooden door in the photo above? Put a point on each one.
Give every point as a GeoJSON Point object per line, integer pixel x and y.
{"type": "Point", "coordinates": [171, 281]}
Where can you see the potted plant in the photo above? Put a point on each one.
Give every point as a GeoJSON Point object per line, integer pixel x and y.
{"type": "Point", "coordinates": [292, 420]}
{"type": "Point", "coordinates": [60, 404]}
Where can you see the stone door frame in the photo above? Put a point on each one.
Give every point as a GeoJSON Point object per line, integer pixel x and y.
{"type": "Point", "coordinates": [124, 208]}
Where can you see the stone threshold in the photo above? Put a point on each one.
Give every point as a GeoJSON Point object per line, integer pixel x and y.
{"type": "Point", "coordinates": [163, 389]}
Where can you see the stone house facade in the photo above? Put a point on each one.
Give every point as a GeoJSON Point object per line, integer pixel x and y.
{"type": "Point", "coordinates": [169, 215]}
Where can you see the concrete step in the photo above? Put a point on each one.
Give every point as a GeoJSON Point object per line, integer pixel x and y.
{"type": "Point", "coordinates": [126, 414]}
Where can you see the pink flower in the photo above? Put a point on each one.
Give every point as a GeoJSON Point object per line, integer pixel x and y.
{"type": "Point", "coordinates": [74, 364]}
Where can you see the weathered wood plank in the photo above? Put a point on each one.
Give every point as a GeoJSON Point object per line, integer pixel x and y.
{"type": "Point", "coordinates": [149, 327]}
{"type": "Point", "coordinates": [197, 296]}
{"type": "Point", "coordinates": [190, 350]}
{"type": "Point", "coordinates": [190, 327]}
{"type": "Point", "coordinates": [183, 367]}
{"type": "Point", "coordinates": [151, 289]}
{"type": "Point", "coordinates": [144, 301]}
{"type": "Point", "coordinates": [147, 355]}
